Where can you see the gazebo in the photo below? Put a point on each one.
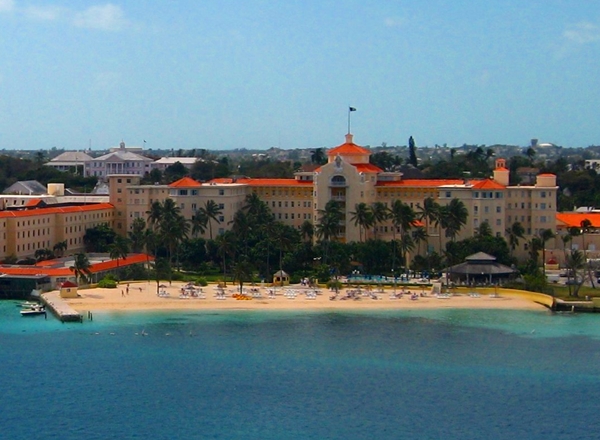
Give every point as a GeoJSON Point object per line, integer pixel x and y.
{"type": "Point", "coordinates": [480, 267]}
{"type": "Point", "coordinates": [281, 278]}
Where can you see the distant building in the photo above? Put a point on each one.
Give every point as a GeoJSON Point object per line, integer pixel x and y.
{"type": "Point", "coordinates": [26, 187]}
{"type": "Point", "coordinates": [69, 160]}
{"type": "Point", "coordinates": [120, 161]}
{"type": "Point", "coordinates": [164, 162]}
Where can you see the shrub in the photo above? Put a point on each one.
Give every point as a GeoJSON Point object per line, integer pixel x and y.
{"type": "Point", "coordinates": [107, 283]}
{"type": "Point", "coordinates": [201, 281]}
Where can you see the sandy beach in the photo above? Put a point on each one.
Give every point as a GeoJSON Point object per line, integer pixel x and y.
{"type": "Point", "coordinates": [142, 296]}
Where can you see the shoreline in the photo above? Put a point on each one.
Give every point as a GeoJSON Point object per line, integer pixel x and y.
{"type": "Point", "coordinates": [141, 296]}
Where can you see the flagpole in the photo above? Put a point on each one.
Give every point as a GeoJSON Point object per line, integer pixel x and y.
{"type": "Point", "coordinates": [349, 119]}
{"type": "Point", "coordinates": [350, 110]}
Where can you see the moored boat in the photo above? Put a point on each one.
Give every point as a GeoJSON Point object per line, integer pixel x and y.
{"type": "Point", "coordinates": [34, 310]}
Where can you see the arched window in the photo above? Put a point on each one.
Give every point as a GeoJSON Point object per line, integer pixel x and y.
{"type": "Point", "coordinates": [338, 181]}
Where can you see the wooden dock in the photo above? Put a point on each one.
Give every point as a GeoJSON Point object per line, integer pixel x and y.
{"type": "Point", "coordinates": [59, 307]}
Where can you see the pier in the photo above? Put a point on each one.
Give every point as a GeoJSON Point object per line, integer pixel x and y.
{"type": "Point", "coordinates": [590, 305]}
{"type": "Point", "coordinates": [59, 307]}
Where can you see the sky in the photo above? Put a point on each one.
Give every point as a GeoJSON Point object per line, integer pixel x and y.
{"type": "Point", "coordinates": [257, 74]}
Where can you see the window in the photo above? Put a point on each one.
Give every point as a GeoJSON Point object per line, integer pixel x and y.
{"type": "Point", "coordinates": [498, 222]}
{"type": "Point", "coordinates": [543, 194]}
{"type": "Point", "coordinates": [448, 194]}
{"type": "Point", "coordinates": [486, 209]}
{"type": "Point", "coordinates": [476, 209]}
{"type": "Point", "coordinates": [542, 206]}
{"type": "Point", "coordinates": [221, 205]}
{"type": "Point", "coordinates": [498, 209]}
{"type": "Point", "coordinates": [221, 192]}
{"type": "Point", "coordinates": [221, 218]}
{"type": "Point", "coordinates": [183, 192]}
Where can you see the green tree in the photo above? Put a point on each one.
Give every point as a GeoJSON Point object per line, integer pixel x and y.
{"type": "Point", "coordinates": [119, 249]}
{"type": "Point", "coordinates": [381, 214]}
{"type": "Point", "coordinates": [515, 232]}
{"type": "Point", "coordinates": [412, 152]}
{"type": "Point", "coordinates": [60, 248]}
{"type": "Point", "coordinates": [328, 226]}
{"type": "Point", "coordinates": [136, 235]}
{"type": "Point", "coordinates": [363, 218]}
{"type": "Point", "coordinates": [226, 244]}
{"type": "Point", "coordinates": [81, 268]}
{"type": "Point", "coordinates": [212, 212]}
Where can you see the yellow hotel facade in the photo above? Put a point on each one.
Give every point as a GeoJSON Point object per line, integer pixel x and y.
{"type": "Point", "coordinates": [349, 178]}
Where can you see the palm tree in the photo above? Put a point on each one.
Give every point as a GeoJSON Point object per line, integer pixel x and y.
{"type": "Point", "coordinates": [285, 237]}
{"type": "Point", "coordinates": [406, 244]}
{"type": "Point", "coordinates": [545, 235]}
{"type": "Point", "coordinates": [241, 227]}
{"type": "Point", "coordinates": [154, 214]}
{"type": "Point", "coordinates": [575, 262]}
{"type": "Point", "coordinates": [362, 217]}
{"type": "Point", "coordinates": [212, 211]}
{"type": "Point", "coordinates": [81, 268]}
{"type": "Point", "coordinates": [586, 227]}
{"type": "Point", "coordinates": [60, 248]}
{"type": "Point", "coordinates": [328, 227]}
{"type": "Point", "coordinates": [454, 217]}
{"type": "Point", "coordinates": [119, 249]}
{"type": "Point", "coordinates": [199, 223]}
{"type": "Point", "coordinates": [419, 235]}
{"type": "Point", "coordinates": [429, 213]}
{"type": "Point", "coordinates": [226, 247]}
{"type": "Point", "coordinates": [403, 217]}
{"type": "Point", "coordinates": [242, 271]}
{"type": "Point", "coordinates": [307, 230]}
{"type": "Point", "coordinates": [381, 214]}
{"type": "Point", "coordinates": [136, 235]}
{"type": "Point", "coordinates": [515, 232]}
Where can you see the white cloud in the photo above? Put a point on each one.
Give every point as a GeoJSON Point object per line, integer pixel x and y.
{"type": "Point", "coordinates": [107, 17]}
{"type": "Point", "coordinates": [7, 5]}
{"type": "Point", "coordinates": [582, 33]}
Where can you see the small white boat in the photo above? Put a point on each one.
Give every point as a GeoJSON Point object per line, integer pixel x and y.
{"type": "Point", "coordinates": [28, 305]}
{"type": "Point", "coordinates": [35, 310]}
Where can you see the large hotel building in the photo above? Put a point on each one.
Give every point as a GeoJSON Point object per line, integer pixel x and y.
{"type": "Point", "coordinates": [348, 177]}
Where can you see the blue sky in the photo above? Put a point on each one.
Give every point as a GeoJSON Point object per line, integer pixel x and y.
{"type": "Point", "coordinates": [257, 74]}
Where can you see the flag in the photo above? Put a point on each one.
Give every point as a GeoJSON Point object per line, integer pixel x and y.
{"type": "Point", "coordinates": [351, 109]}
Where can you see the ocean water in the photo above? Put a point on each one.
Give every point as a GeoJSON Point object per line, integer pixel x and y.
{"type": "Point", "coordinates": [430, 374]}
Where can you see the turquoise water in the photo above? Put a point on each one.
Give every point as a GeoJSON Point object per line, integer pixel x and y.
{"type": "Point", "coordinates": [263, 375]}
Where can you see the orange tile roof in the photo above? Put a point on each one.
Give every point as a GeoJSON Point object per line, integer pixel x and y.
{"type": "Point", "coordinates": [185, 182]}
{"type": "Point", "coordinates": [64, 210]}
{"type": "Point", "coordinates": [574, 219]}
{"type": "Point", "coordinates": [486, 184]}
{"type": "Point", "coordinates": [547, 175]}
{"type": "Point", "coordinates": [40, 269]}
{"type": "Point", "coordinates": [422, 182]}
{"type": "Point", "coordinates": [502, 169]}
{"type": "Point", "coordinates": [32, 203]}
{"type": "Point", "coordinates": [348, 149]}
{"type": "Point", "coordinates": [367, 168]}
